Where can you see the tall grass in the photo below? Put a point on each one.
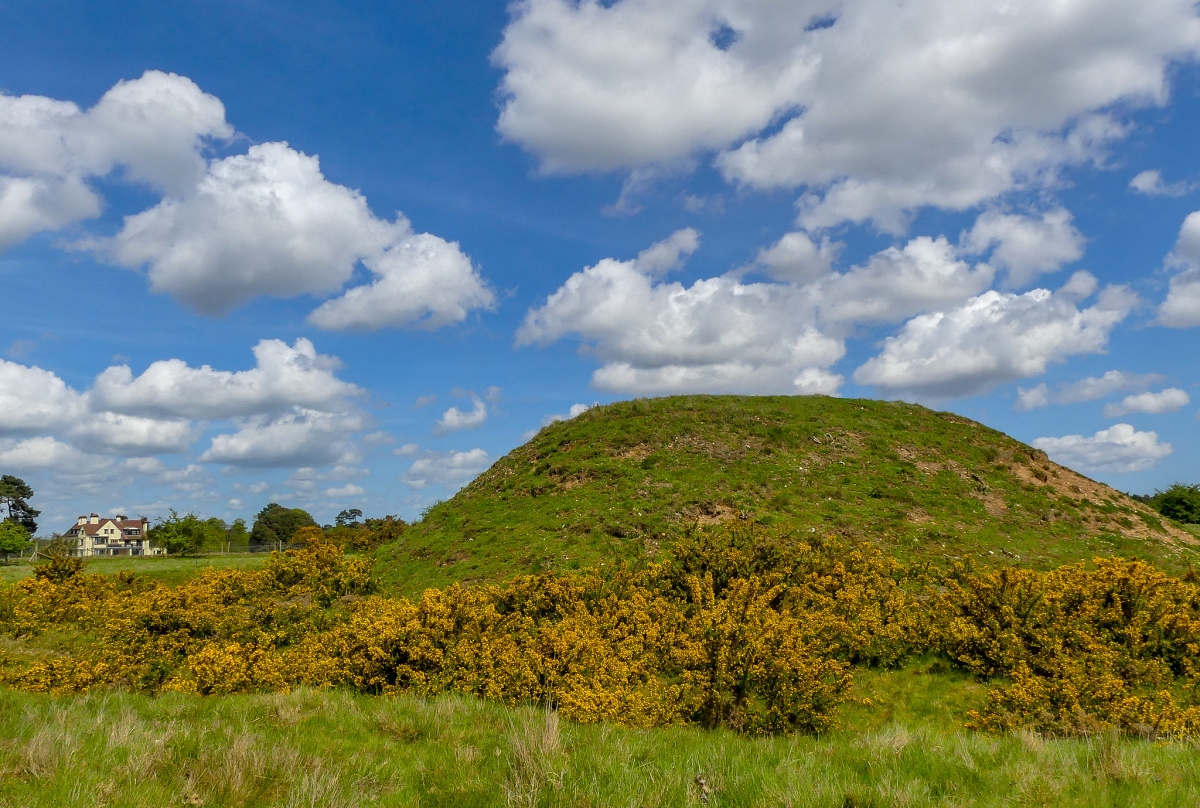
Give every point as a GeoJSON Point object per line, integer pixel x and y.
{"type": "Point", "coordinates": [327, 748]}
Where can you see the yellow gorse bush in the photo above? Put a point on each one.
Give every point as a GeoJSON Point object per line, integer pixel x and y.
{"type": "Point", "coordinates": [733, 628]}
{"type": "Point", "coordinates": [1080, 649]}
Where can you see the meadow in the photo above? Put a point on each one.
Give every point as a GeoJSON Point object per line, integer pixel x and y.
{"type": "Point", "coordinates": [342, 750]}
{"type": "Point", "coordinates": [168, 569]}
{"type": "Point", "coordinates": [898, 735]}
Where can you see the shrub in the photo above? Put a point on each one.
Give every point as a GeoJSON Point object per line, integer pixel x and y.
{"type": "Point", "coordinates": [1078, 650]}
{"type": "Point", "coordinates": [734, 628]}
{"type": "Point", "coordinates": [1179, 502]}
{"type": "Point", "coordinates": [276, 524]}
{"type": "Point", "coordinates": [58, 568]}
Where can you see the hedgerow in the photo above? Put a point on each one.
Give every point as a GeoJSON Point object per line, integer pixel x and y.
{"type": "Point", "coordinates": [732, 628]}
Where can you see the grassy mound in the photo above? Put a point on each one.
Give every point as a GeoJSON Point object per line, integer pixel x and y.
{"type": "Point", "coordinates": [619, 481]}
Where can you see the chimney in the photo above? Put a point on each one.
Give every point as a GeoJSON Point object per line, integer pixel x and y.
{"type": "Point", "coordinates": [95, 519]}
{"type": "Point", "coordinates": [120, 517]}
{"type": "Point", "coordinates": [82, 520]}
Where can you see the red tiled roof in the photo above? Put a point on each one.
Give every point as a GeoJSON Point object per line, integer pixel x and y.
{"type": "Point", "coordinates": [90, 529]}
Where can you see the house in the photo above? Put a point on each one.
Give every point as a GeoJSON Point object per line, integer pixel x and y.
{"type": "Point", "coordinates": [118, 536]}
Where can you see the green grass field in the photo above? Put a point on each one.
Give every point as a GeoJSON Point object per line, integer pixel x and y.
{"type": "Point", "coordinates": [623, 479]}
{"type": "Point", "coordinates": [321, 748]}
{"type": "Point", "coordinates": [168, 569]}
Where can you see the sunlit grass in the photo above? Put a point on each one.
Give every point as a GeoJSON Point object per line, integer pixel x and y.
{"type": "Point", "coordinates": [321, 748]}
{"type": "Point", "coordinates": [169, 569]}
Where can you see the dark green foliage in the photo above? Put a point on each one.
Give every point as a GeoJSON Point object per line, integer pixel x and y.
{"type": "Point", "coordinates": [14, 538]}
{"type": "Point", "coordinates": [1180, 502]}
{"type": "Point", "coordinates": [180, 535]}
{"type": "Point", "coordinates": [237, 535]}
{"type": "Point", "coordinates": [348, 517]}
{"type": "Point", "coordinates": [623, 480]}
{"type": "Point", "coordinates": [13, 495]}
{"type": "Point", "coordinates": [276, 524]}
{"type": "Point", "coordinates": [215, 533]}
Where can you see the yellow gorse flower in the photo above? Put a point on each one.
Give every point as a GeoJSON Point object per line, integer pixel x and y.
{"type": "Point", "coordinates": [733, 628]}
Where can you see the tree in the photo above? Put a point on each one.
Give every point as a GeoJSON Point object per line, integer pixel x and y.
{"type": "Point", "coordinates": [276, 524]}
{"type": "Point", "coordinates": [348, 517]}
{"type": "Point", "coordinates": [56, 545]}
{"type": "Point", "coordinates": [1180, 502]}
{"type": "Point", "coordinates": [237, 533]}
{"type": "Point", "coordinates": [215, 531]}
{"type": "Point", "coordinates": [14, 538]}
{"type": "Point", "coordinates": [179, 535]}
{"type": "Point", "coordinates": [13, 495]}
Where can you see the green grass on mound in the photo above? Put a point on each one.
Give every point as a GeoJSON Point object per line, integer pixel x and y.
{"type": "Point", "coordinates": [336, 750]}
{"type": "Point", "coordinates": [622, 479]}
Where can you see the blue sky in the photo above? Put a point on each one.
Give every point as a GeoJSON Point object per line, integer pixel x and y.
{"type": "Point", "coordinates": [347, 255]}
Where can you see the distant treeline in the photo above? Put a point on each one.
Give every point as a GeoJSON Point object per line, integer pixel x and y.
{"type": "Point", "coordinates": [275, 527]}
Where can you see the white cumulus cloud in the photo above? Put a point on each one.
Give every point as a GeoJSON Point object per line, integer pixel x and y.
{"type": "Point", "coordinates": [345, 491]}
{"type": "Point", "coordinates": [994, 338]}
{"type": "Point", "coordinates": [262, 223]}
{"type": "Point", "coordinates": [876, 108]}
{"type": "Point", "coordinates": [191, 479]}
{"type": "Point", "coordinates": [718, 335]}
{"type": "Point", "coordinates": [33, 399]}
{"type": "Point", "coordinates": [1026, 246]}
{"type": "Point", "coordinates": [724, 334]}
{"type": "Point", "coordinates": [298, 438]}
{"type": "Point", "coordinates": [131, 434]}
{"type": "Point", "coordinates": [1150, 183]}
{"type": "Point", "coordinates": [154, 128]}
{"type": "Point", "coordinates": [290, 409]}
{"type": "Point", "coordinates": [452, 469]}
{"type": "Point", "coordinates": [455, 419]}
{"type": "Point", "coordinates": [1089, 389]}
{"type": "Point", "coordinates": [1181, 309]}
{"type": "Point", "coordinates": [897, 283]}
{"type": "Point", "coordinates": [796, 258]}
{"type": "Point", "coordinates": [266, 222]}
{"type": "Point", "coordinates": [421, 281]}
{"type": "Point", "coordinates": [284, 376]}
{"type": "Point", "coordinates": [35, 454]}
{"type": "Point", "coordinates": [1120, 448]}
{"type": "Point", "coordinates": [1172, 399]}
{"type": "Point", "coordinates": [30, 205]}
{"type": "Point", "coordinates": [575, 411]}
